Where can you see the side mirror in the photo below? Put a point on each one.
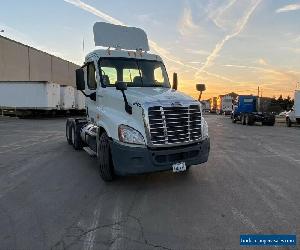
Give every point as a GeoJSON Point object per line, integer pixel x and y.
{"type": "Point", "coordinates": [200, 87]}
{"type": "Point", "coordinates": [80, 83]}
{"type": "Point", "coordinates": [175, 81]}
{"type": "Point", "coordinates": [121, 86]}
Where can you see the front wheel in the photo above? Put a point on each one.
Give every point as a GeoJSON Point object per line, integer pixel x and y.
{"type": "Point", "coordinates": [288, 122]}
{"type": "Point", "coordinates": [68, 133]}
{"type": "Point", "coordinates": [104, 158]}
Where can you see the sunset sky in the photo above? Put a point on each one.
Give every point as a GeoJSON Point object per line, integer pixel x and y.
{"type": "Point", "coordinates": [232, 45]}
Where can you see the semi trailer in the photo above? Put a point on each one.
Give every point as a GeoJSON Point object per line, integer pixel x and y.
{"type": "Point", "coordinates": [293, 116]}
{"type": "Point", "coordinates": [224, 105]}
{"type": "Point", "coordinates": [250, 109]}
{"type": "Point", "coordinates": [29, 98]}
{"type": "Point", "coordinates": [136, 122]}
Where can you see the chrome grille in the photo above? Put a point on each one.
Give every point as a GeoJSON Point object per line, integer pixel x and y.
{"type": "Point", "coordinates": [172, 125]}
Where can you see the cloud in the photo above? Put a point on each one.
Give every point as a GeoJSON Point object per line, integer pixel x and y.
{"type": "Point", "coordinates": [186, 24]}
{"type": "Point", "coordinates": [289, 7]}
{"type": "Point", "coordinates": [261, 61]}
{"type": "Point", "coordinates": [216, 16]}
{"type": "Point", "coordinates": [240, 25]}
{"type": "Point", "coordinates": [94, 11]}
{"type": "Point", "coordinates": [291, 75]}
{"type": "Point", "coordinates": [196, 51]}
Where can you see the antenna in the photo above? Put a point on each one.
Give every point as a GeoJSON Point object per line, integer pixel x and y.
{"type": "Point", "coordinates": [83, 44]}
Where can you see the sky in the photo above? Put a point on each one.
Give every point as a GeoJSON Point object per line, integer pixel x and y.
{"type": "Point", "coordinates": [230, 45]}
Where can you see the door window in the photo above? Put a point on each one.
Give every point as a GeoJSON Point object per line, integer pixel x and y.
{"type": "Point", "coordinates": [91, 76]}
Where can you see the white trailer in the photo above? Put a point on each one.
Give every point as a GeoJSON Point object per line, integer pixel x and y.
{"type": "Point", "coordinates": [29, 96]}
{"type": "Point", "coordinates": [67, 97]}
{"type": "Point", "coordinates": [79, 100]}
{"type": "Point", "coordinates": [293, 116]}
{"type": "Point", "coordinates": [224, 104]}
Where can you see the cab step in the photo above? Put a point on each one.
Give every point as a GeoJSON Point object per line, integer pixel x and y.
{"type": "Point", "coordinates": [92, 153]}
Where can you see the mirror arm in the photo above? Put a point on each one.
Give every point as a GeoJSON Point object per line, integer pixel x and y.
{"type": "Point", "coordinates": [84, 93]}
{"type": "Point", "coordinates": [128, 108]}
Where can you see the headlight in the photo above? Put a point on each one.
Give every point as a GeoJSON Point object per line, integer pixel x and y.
{"type": "Point", "coordinates": [204, 128]}
{"type": "Point", "coordinates": [130, 135]}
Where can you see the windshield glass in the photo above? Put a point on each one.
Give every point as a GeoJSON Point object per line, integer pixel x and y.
{"type": "Point", "coordinates": [135, 72]}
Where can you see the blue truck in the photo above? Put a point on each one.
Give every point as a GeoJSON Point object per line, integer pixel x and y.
{"type": "Point", "coordinates": [250, 109]}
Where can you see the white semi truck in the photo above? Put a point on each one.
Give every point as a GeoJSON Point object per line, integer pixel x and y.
{"type": "Point", "coordinates": [293, 116]}
{"type": "Point", "coordinates": [136, 123]}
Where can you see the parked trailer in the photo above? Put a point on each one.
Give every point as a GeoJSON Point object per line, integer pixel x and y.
{"type": "Point", "coordinates": [293, 116]}
{"type": "Point", "coordinates": [67, 97]}
{"type": "Point", "coordinates": [29, 98]}
{"type": "Point", "coordinates": [79, 100]}
{"type": "Point", "coordinates": [249, 110]}
{"type": "Point", "coordinates": [224, 105]}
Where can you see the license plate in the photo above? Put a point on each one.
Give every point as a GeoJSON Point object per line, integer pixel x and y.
{"type": "Point", "coordinates": [179, 167]}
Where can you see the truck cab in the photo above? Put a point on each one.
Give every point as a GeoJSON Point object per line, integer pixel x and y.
{"type": "Point", "coordinates": [248, 110]}
{"type": "Point", "coordinates": [136, 122]}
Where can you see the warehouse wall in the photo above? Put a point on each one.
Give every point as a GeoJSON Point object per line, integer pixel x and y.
{"type": "Point", "coordinates": [19, 62]}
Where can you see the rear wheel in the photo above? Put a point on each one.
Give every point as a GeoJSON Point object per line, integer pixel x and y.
{"type": "Point", "coordinates": [243, 119]}
{"type": "Point", "coordinates": [76, 139]}
{"type": "Point", "coordinates": [288, 122]}
{"type": "Point", "coordinates": [104, 158]}
{"type": "Point", "coordinates": [68, 133]}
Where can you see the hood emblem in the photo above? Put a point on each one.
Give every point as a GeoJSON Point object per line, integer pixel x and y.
{"type": "Point", "coordinates": [176, 104]}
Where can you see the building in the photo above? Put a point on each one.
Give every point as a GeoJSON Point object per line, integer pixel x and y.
{"type": "Point", "coordinates": [19, 62]}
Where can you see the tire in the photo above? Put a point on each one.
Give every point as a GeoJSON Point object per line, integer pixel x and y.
{"type": "Point", "coordinates": [233, 120]}
{"type": "Point", "coordinates": [104, 158]}
{"type": "Point", "coordinates": [68, 133]}
{"type": "Point", "coordinates": [247, 118]}
{"type": "Point", "coordinates": [76, 139]}
{"type": "Point", "coordinates": [243, 120]}
{"type": "Point", "coordinates": [288, 122]}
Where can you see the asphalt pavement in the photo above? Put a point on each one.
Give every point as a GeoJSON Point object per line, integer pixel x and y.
{"type": "Point", "coordinates": [52, 197]}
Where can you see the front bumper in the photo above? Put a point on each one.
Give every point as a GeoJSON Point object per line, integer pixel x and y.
{"type": "Point", "coordinates": [134, 160]}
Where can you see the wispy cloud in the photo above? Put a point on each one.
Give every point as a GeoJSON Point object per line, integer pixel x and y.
{"type": "Point", "coordinates": [216, 16]}
{"type": "Point", "coordinates": [262, 61]}
{"type": "Point", "coordinates": [238, 29]}
{"type": "Point", "coordinates": [186, 24]}
{"type": "Point", "coordinates": [196, 51]}
{"type": "Point", "coordinates": [285, 74]}
{"type": "Point", "coordinates": [289, 7]}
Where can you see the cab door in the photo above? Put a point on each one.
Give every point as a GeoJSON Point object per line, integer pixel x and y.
{"type": "Point", "coordinates": [91, 80]}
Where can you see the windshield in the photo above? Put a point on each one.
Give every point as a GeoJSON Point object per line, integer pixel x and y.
{"type": "Point", "coordinates": [135, 72]}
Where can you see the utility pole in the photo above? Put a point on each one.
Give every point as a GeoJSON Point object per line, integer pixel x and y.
{"type": "Point", "coordinates": [258, 91]}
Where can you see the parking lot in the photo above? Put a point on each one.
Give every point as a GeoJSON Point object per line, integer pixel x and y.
{"type": "Point", "coordinates": [52, 197]}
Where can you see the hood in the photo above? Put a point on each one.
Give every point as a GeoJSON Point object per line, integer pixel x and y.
{"type": "Point", "coordinates": [149, 94]}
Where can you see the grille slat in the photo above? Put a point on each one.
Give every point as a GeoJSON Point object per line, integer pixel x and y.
{"type": "Point", "coordinates": [174, 125]}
